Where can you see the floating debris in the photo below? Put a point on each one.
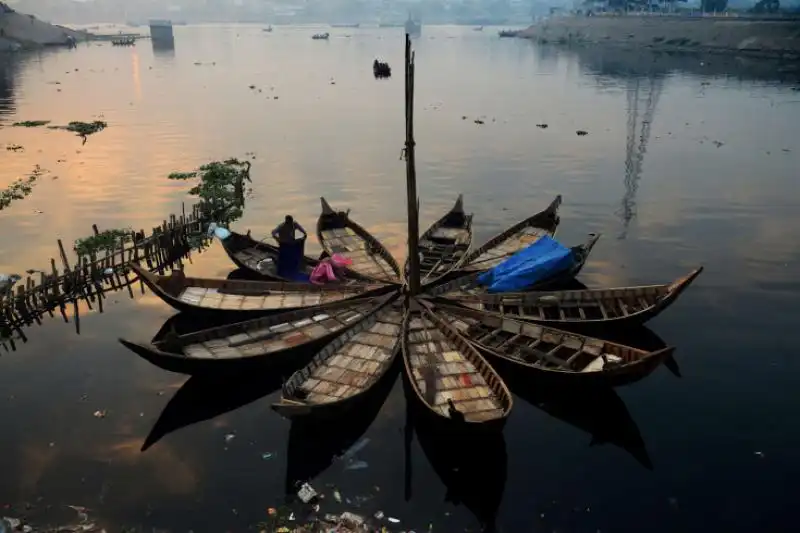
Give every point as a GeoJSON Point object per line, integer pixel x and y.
{"type": "Point", "coordinates": [479, 121]}
{"type": "Point", "coordinates": [100, 414]}
{"type": "Point", "coordinates": [542, 126]}
{"type": "Point", "coordinates": [31, 123]}
{"type": "Point", "coordinates": [229, 437]}
{"type": "Point", "coordinates": [20, 188]}
{"type": "Point", "coordinates": [581, 133]}
{"type": "Point", "coordinates": [306, 493]}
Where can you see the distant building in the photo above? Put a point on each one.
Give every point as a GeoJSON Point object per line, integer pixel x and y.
{"type": "Point", "coordinates": [161, 31]}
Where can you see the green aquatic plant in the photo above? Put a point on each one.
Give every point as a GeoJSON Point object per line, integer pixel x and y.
{"type": "Point", "coordinates": [86, 128]}
{"type": "Point", "coordinates": [220, 188]}
{"type": "Point", "coordinates": [108, 240]}
{"type": "Point", "coordinates": [31, 123]}
{"type": "Point", "coordinates": [20, 188]}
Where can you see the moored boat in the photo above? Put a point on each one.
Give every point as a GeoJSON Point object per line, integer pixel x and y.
{"type": "Point", "coordinates": [259, 257]}
{"type": "Point", "coordinates": [617, 306]}
{"type": "Point", "coordinates": [261, 341]}
{"type": "Point", "coordinates": [241, 299]}
{"type": "Point", "coordinates": [560, 356]}
{"type": "Point", "coordinates": [321, 36]}
{"type": "Point", "coordinates": [445, 243]}
{"type": "Point", "coordinates": [338, 234]}
{"type": "Point", "coordinates": [522, 234]}
{"type": "Point", "coordinates": [448, 376]}
{"type": "Point", "coordinates": [466, 281]}
{"type": "Point", "coordinates": [347, 369]}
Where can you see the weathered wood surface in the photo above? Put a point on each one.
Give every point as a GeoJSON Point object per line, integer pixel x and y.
{"type": "Point", "coordinates": [351, 364]}
{"type": "Point", "coordinates": [444, 368]}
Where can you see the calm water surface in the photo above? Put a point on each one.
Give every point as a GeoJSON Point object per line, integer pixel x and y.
{"type": "Point", "coordinates": [688, 161]}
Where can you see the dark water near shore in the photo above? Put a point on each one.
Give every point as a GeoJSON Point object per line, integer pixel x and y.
{"type": "Point", "coordinates": [722, 439]}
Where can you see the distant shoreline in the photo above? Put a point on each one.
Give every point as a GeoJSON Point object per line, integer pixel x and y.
{"type": "Point", "coordinates": [776, 38]}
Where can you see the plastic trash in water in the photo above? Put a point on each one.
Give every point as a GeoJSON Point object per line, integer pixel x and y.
{"type": "Point", "coordinates": [357, 465]}
{"type": "Point", "coordinates": [218, 231]}
{"type": "Point", "coordinates": [108, 271]}
{"type": "Point", "coordinates": [306, 493]}
{"type": "Point", "coordinates": [352, 520]}
{"type": "Point", "coordinates": [394, 520]}
{"type": "Point", "coordinates": [267, 456]}
{"type": "Point", "coordinates": [379, 515]}
{"type": "Point", "coordinates": [337, 495]}
{"type": "Point", "coordinates": [354, 449]}
{"type": "Point", "coordinates": [229, 437]}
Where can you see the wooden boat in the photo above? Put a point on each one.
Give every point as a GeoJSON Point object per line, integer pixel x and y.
{"type": "Point", "coordinates": [619, 306]}
{"type": "Point", "coordinates": [261, 341]}
{"type": "Point", "coordinates": [338, 234]}
{"type": "Point", "coordinates": [445, 243]}
{"type": "Point", "coordinates": [447, 374]}
{"type": "Point", "coordinates": [346, 369]}
{"type": "Point", "coordinates": [508, 33]}
{"type": "Point", "coordinates": [467, 281]}
{"type": "Point", "coordinates": [258, 257]}
{"type": "Point", "coordinates": [245, 299]}
{"type": "Point", "coordinates": [569, 358]}
{"type": "Point", "coordinates": [522, 234]}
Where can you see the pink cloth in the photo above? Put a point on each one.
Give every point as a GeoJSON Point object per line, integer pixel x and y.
{"type": "Point", "coordinates": [325, 271]}
{"type": "Point", "coordinates": [322, 273]}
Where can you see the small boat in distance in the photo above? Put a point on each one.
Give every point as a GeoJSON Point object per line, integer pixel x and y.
{"type": "Point", "coordinates": [381, 69]}
{"type": "Point", "coordinates": [479, 28]}
{"type": "Point", "coordinates": [321, 36]}
{"type": "Point", "coordinates": [268, 29]}
{"type": "Point", "coordinates": [508, 33]}
{"type": "Point", "coordinates": [127, 41]}
{"type": "Point", "coordinates": [356, 25]}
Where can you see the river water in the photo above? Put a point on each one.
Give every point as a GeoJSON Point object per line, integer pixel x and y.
{"type": "Point", "coordinates": [688, 161]}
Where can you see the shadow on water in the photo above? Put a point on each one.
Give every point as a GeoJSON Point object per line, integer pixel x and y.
{"type": "Point", "coordinates": [474, 469]}
{"type": "Point", "coordinates": [599, 412]}
{"type": "Point", "coordinates": [204, 398]}
{"type": "Point", "coordinates": [314, 444]}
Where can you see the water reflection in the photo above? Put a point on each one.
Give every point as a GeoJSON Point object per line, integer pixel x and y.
{"type": "Point", "coordinates": [163, 49]}
{"type": "Point", "coordinates": [599, 412]}
{"type": "Point", "coordinates": [201, 399]}
{"type": "Point", "coordinates": [314, 444]}
{"type": "Point", "coordinates": [473, 469]}
{"type": "Point", "coordinates": [642, 98]}
{"type": "Point", "coordinates": [9, 68]}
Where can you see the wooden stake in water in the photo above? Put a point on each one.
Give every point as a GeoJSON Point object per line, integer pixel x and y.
{"type": "Point", "coordinates": [411, 177]}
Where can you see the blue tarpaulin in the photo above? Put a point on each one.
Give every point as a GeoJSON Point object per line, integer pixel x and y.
{"type": "Point", "coordinates": [541, 260]}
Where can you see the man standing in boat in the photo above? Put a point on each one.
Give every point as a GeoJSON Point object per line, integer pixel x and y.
{"type": "Point", "coordinates": [290, 248]}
